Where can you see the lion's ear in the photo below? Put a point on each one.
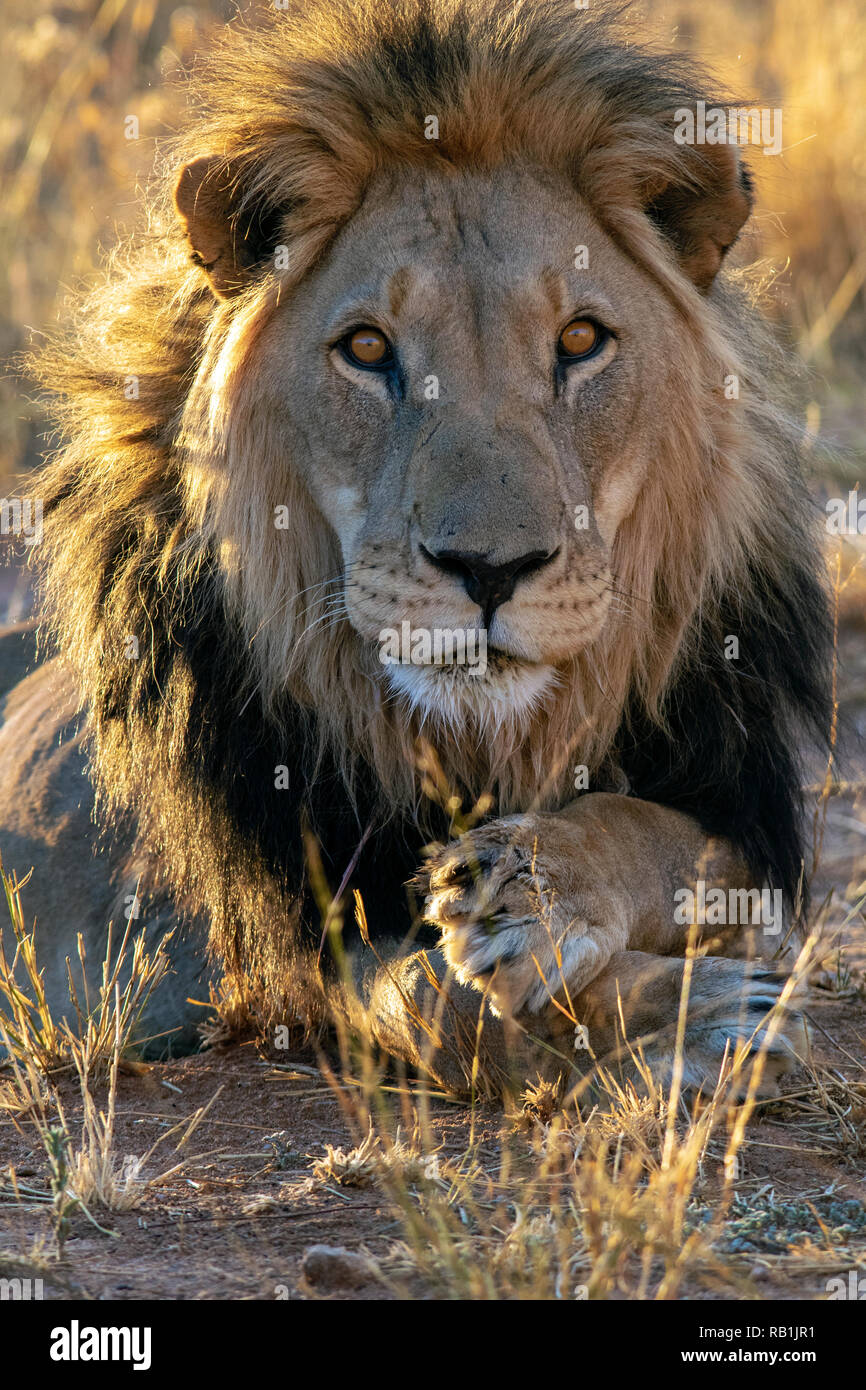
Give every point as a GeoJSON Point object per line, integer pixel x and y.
{"type": "Point", "coordinates": [703, 217]}
{"type": "Point", "coordinates": [227, 236]}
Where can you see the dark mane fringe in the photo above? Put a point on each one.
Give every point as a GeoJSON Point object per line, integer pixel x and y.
{"type": "Point", "coordinates": [183, 735]}
{"type": "Point", "coordinates": [727, 749]}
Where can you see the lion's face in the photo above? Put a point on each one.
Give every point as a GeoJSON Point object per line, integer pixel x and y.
{"type": "Point", "coordinates": [477, 447]}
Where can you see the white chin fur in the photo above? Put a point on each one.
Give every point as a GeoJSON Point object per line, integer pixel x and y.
{"type": "Point", "coordinates": [505, 696]}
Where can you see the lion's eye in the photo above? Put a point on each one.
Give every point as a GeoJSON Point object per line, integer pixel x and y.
{"type": "Point", "coordinates": [578, 339]}
{"type": "Point", "coordinates": [367, 347]}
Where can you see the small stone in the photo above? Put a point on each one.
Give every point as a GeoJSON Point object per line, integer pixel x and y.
{"type": "Point", "coordinates": [334, 1267]}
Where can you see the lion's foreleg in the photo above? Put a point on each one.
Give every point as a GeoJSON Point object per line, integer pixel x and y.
{"type": "Point", "coordinates": [531, 906]}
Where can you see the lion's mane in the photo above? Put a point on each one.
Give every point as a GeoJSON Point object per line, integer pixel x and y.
{"type": "Point", "coordinates": [148, 535]}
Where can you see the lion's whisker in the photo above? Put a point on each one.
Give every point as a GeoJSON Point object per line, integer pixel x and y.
{"type": "Point", "coordinates": [323, 583]}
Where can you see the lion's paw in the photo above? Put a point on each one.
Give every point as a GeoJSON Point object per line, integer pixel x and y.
{"type": "Point", "coordinates": [735, 1008]}
{"type": "Point", "coordinates": [505, 929]}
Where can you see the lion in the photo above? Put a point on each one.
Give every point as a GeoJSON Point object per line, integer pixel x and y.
{"type": "Point", "coordinates": [430, 332]}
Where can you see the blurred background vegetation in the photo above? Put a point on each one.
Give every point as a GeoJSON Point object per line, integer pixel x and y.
{"type": "Point", "coordinates": [74, 71]}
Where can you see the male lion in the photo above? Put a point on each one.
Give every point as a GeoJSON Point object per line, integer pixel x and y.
{"type": "Point", "coordinates": [435, 339]}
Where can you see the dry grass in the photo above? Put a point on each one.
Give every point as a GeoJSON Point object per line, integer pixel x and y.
{"type": "Point", "coordinates": [377, 1159]}
{"type": "Point", "coordinates": [236, 1012]}
{"type": "Point", "coordinates": [29, 1030]}
{"type": "Point", "coordinates": [86, 1173]}
{"type": "Point", "coordinates": [578, 1209]}
{"type": "Point", "coordinates": [97, 1174]}
{"type": "Point", "coordinates": [631, 1198]}
{"type": "Point", "coordinates": [105, 1028]}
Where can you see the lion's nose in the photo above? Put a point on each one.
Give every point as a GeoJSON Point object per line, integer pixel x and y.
{"type": "Point", "coordinates": [488, 584]}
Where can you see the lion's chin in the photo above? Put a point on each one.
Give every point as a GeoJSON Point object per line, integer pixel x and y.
{"type": "Point", "coordinates": [505, 695]}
